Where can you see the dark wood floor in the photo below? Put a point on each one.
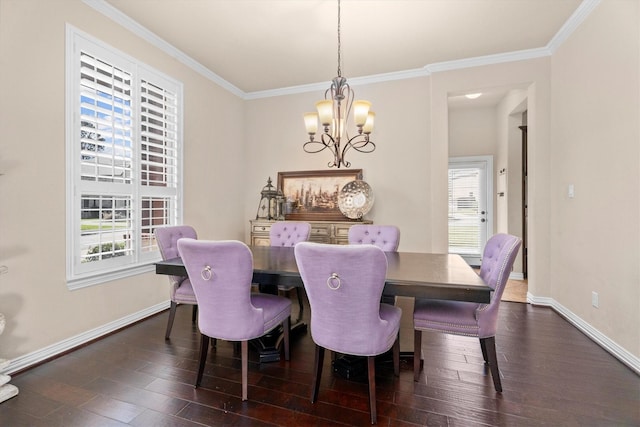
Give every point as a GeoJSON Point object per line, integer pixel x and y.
{"type": "Point", "coordinates": [552, 375]}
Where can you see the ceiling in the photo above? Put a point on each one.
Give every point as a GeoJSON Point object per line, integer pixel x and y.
{"type": "Point", "coordinates": [263, 45]}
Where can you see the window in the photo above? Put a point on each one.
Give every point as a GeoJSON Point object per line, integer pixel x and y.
{"type": "Point", "coordinates": [123, 161]}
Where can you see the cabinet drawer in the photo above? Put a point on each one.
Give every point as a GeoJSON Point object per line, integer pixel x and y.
{"type": "Point", "coordinates": [261, 228]}
{"type": "Point", "coordinates": [320, 230]}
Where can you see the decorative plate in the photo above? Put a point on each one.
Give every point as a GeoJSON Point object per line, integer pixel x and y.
{"type": "Point", "coordinates": [355, 199]}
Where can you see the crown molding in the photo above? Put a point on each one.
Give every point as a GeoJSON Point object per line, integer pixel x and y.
{"type": "Point", "coordinates": [353, 81]}
{"type": "Point", "coordinates": [580, 14]}
{"type": "Point", "coordinates": [128, 23]}
{"type": "Point", "coordinates": [574, 21]}
{"type": "Point", "coordinates": [479, 61]}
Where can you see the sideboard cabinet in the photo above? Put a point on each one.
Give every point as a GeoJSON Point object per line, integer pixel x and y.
{"type": "Point", "coordinates": [334, 232]}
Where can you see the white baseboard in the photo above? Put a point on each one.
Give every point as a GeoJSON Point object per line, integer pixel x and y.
{"type": "Point", "coordinates": [516, 276]}
{"type": "Point", "coordinates": [45, 353]}
{"type": "Point", "coordinates": [28, 360]}
{"type": "Point", "coordinates": [624, 356]}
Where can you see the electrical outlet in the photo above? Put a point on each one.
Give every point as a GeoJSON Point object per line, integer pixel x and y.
{"type": "Point", "coordinates": [594, 299]}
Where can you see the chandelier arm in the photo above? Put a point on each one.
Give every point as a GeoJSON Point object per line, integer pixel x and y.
{"type": "Point", "coordinates": [360, 143]}
{"type": "Point", "coordinates": [309, 145]}
{"type": "Point", "coordinates": [363, 147]}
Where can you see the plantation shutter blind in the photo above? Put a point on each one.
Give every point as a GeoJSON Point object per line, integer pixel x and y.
{"type": "Point", "coordinates": [158, 158]}
{"type": "Point", "coordinates": [106, 121]}
{"type": "Point", "coordinates": [106, 154]}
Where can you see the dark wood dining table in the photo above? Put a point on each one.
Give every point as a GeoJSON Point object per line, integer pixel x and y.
{"type": "Point", "coordinates": [409, 274]}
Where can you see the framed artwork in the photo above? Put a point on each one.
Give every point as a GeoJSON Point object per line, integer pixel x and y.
{"type": "Point", "coordinates": [313, 195]}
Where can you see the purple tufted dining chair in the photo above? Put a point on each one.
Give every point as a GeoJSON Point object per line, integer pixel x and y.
{"type": "Point", "coordinates": [181, 291]}
{"type": "Point", "coordinates": [386, 237]}
{"type": "Point", "coordinates": [221, 273]}
{"type": "Point", "coordinates": [468, 318]}
{"type": "Point", "coordinates": [289, 233]}
{"type": "Point", "coordinates": [344, 284]}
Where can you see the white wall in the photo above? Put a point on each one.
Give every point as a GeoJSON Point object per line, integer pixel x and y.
{"type": "Point", "coordinates": [39, 309]}
{"type": "Point", "coordinates": [509, 159]}
{"type": "Point", "coordinates": [399, 171]}
{"type": "Point", "coordinates": [595, 237]}
{"type": "Point", "coordinates": [473, 132]}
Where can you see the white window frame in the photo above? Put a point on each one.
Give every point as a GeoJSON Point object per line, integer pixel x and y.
{"type": "Point", "coordinates": [136, 260]}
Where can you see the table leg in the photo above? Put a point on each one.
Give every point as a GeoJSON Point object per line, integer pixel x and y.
{"type": "Point", "coordinates": [268, 346]}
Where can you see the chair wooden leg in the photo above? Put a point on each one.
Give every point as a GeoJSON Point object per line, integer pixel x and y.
{"type": "Point", "coordinates": [317, 373]}
{"type": "Point", "coordinates": [417, 353]}
{"type": "Point", "coordinates": [396, 356]}
{"type": "Point", "coordinates": [483, 347]}
{"type": "Point", "coordinates": [371, 367]}
{"type": "Point", "coordinates": [286, 326]}
{"type": "Point", "coordinates": [194, 313]}
{"type": "Point", "coordinates": [204, 347]}
{"type": "Point", "coordinates": [172, 316]}
{"type": "Point", "coordinates": [490, 345]}
{"type": "Point", "coordinates": [245, 368]}
{"type": "Point", "coordinates": [299, 291]}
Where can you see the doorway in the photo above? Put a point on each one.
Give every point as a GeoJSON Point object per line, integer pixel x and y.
{"type": "Point", "coordinates": [469, 206]}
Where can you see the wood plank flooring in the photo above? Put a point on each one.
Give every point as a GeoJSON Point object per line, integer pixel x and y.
{"type": "Point", "coordinates": [515, 291]}
{"type": "Point", "coordinates": [552, 374]}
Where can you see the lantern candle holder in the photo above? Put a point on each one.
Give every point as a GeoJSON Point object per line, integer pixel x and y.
{"type": "Point", "coordinates": [271, 203]}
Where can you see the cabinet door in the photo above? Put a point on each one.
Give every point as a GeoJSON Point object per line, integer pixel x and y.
{"type": "Point", "coordinates": [320, 233]}
{"type": "Point", "coordinates": [260, 241]}
{"type": "Point", "coordinates": [341, 233]}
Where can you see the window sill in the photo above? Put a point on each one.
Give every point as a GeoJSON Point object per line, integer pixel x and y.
{"type": "Point", "coordinates": [109, 276]}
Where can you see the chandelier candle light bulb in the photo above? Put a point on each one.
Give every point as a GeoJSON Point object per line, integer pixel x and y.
{"type": "Point", "coordinates": [311, 123]}
{"type": "Point", "coordinates": [368, 125]}
{"type": "Point", "coordinates": [360, 112]}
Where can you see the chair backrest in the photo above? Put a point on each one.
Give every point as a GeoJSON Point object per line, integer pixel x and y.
{"type": "Point", "coordinates": [497, 262]}
{"type": "Point", "coordinates": [221, 273]}
{"type": "Point", "coordinates": [345, 319]}
{"type": "Point", "coordinates": [386, 237]}
{"type": "Point", "coordinates": [288, 233]}
{"type": "Point", "coordinates": [167, 239]}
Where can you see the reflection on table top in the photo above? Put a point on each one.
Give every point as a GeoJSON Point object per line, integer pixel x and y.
{"type": "Point", "coordinates": [413, 274]}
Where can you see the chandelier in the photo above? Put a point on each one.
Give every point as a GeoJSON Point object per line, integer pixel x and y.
{"type": "Point", "coordinates": [333, 113]}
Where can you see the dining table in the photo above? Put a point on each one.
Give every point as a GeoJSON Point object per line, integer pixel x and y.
{"type": "Point", "coordinates": [409, 274]}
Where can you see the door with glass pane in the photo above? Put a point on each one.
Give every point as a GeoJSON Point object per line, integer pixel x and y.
{"type": "Point", "coordinates": [470, 219]}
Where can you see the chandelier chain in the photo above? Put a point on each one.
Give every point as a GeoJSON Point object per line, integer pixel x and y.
{"type": "Point", "coordinates": [339, 45]}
